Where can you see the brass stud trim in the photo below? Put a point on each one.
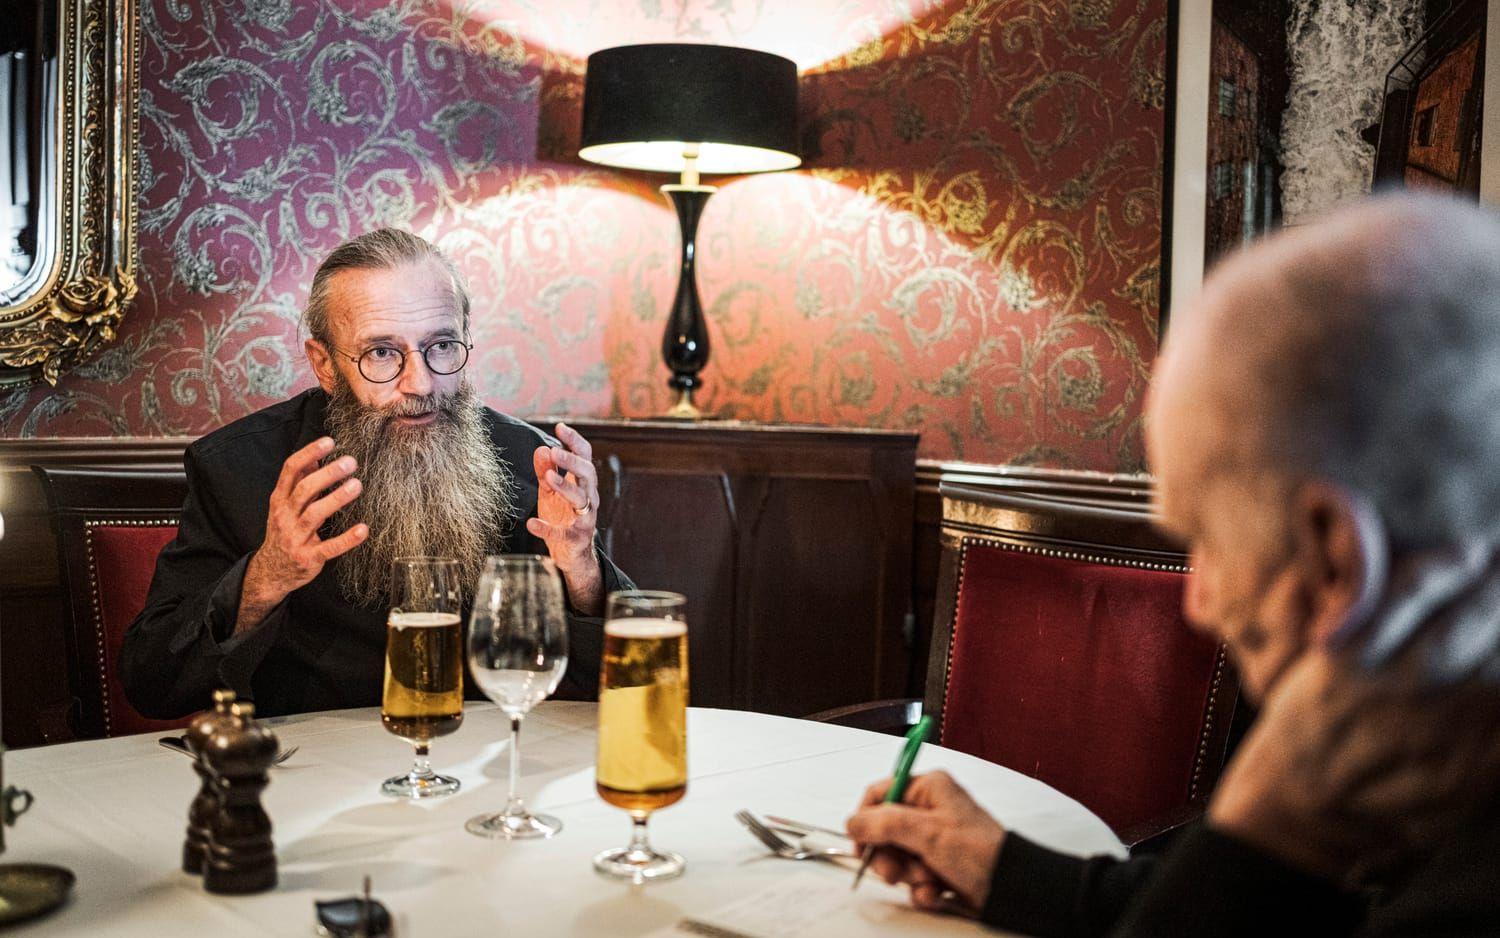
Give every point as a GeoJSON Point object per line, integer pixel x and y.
{"type": "Point", "coordinates": [96, 602]}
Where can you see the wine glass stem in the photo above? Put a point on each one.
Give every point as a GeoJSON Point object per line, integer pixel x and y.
{"type": "Point", "coordinates": [421, 766]}
{"type": "Point", "coordinates": [513, 806]}
{"type": "Point", "coordinates": [638, 844]}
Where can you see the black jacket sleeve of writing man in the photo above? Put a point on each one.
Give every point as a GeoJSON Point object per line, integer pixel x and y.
{"type": "Point", "coordinates": [315, 651]}
{"type": "Point", "coordinates": [1208, 884]}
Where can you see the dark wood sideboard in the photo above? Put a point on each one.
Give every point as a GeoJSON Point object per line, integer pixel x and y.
{"type": "Point", "coordinates": [792, 544]}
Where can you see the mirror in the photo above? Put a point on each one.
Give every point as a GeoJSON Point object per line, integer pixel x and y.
{"type": "Point", "coordinates": [68, 130]}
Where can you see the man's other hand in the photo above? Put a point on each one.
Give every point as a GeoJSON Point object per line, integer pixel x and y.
{"type": "Point", "coordinates": [567, 513]}
{"type": "Point", "coordinates": [937, 839]}
{"type": "Point", "coordinates": [293, 553]}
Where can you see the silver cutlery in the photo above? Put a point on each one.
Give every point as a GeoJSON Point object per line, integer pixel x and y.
{"type": "Point", "coordinates": [179, 744]}
{"type": "Point", "coordinates": [800, 829]}
{"type": "Point", "coordinates": [781, 846]}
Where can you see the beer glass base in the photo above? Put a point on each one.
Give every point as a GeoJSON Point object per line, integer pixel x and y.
{"type": "Point", "coordinates": [639, 866]}
{"type": "Point", "coordinates": [416, 786]}
{"type": "Point", "coordinates": [513, 826]}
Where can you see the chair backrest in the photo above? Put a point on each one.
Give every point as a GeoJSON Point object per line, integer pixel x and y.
{"type": "Point", "coordinates": [1060, 650]}
{"type": "Point", "coordinates": [110, 525]}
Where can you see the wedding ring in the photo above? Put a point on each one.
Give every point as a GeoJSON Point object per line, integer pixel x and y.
{"type": "Point", "coordinates": [580, 512]}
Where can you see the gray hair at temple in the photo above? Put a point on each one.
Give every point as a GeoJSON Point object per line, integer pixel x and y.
{"type": "Point", "coordinates": [1364, 350]}
{"type": "Point", "coordinates": [381, 249]}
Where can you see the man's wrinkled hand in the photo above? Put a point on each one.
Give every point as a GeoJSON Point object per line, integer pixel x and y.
{"type": "Point", "coordinates": [567, 514]}
{"type": "Point", "coordinates": [937, 840]}
{"type": "Point", "coordinates": [292, 553]}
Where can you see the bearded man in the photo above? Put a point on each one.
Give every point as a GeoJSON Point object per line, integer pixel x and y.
{"type": "Point", "coordinates": [276, 585]}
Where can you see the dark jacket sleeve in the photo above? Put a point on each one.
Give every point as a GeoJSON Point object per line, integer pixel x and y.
{"type": "Point", "coordinates": [1212, 884]}
{"type": "Point", "coordinates": [180, 649]}
{"type": "Point", "coordinates": [1208, 884]}
{"type": "Point", "coordinates": [1036, 891]}
{"type": "Point", "coordinates": [586, 636]}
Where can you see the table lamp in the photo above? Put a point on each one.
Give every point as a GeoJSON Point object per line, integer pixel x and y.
{"type": "Point", "coordinates": [689, 109]}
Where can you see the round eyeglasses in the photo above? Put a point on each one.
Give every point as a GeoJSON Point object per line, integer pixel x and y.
{"type": "Point", "coordinates": [383, 363]}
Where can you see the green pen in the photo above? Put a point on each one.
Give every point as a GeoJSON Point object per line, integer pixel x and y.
{"type": "Point", "coordinates": [915, 737]}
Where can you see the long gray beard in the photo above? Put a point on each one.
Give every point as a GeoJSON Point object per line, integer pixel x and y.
{"type": "Point", "coordinates": [437, 490]}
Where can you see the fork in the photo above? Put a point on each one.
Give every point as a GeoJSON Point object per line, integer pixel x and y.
{"type": "Point", "coordinates": [179, 744]}
{"type": "Point", "coordinates": [781, 846]}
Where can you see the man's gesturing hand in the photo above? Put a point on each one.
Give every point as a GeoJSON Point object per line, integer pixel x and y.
{"type": "Point", "coordinates": [292, 553]}
{"type": "Point", "coordinates": [943, 840]}
{"type": "Point", "coordinates": [567, 512]}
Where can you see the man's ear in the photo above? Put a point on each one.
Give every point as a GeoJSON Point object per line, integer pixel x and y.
{"type": "Point", "coordinates": [1343, 552]}
{"type": "Point", "coordinates": [322, 364]}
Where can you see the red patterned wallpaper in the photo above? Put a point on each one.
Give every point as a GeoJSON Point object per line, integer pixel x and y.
{"type": "Point", "coordinates": [973, 253]}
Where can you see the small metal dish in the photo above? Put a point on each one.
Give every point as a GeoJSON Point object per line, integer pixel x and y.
{"type": "Point", "coordinates": [28, 890]}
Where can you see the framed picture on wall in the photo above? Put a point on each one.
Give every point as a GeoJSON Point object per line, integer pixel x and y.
{"type": "Point", "coordinates": [1285, 109]}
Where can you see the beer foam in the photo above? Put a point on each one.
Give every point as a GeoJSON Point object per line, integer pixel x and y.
{"type": "Point", "coordinates": [422, 620]}
{"type": "Point", "coordinates": [645, 628]}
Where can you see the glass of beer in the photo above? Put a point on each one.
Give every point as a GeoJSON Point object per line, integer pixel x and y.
{"type": "Point", "coordinates": [518, 651]}
{"type": "Point", "coordinates": [424, 667]}
{"type": "Point", "coordinates": [643, 698]}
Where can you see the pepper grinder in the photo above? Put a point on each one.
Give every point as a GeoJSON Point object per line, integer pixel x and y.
{"type": "Point", "coordinates": [201, 812]}
{"type": "Point", "coordinates": [241, 858]}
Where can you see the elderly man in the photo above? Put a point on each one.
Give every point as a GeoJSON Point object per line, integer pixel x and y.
{"type": "Point", "coordinates": [276, 585]}
{"type": "Point", "coordinates": [1324, 427]}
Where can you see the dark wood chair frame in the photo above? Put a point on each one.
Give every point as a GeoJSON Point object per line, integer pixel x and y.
{"type": "Point", "coordinates": [81, 500]}
{"type": "Point", "coordinates": [1067, 529]}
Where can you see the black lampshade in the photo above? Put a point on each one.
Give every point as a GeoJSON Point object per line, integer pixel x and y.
{"type": "Point", "coordinates": [642, 103]}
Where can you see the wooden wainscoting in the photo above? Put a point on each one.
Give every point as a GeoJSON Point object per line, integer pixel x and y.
{"type": "Point", "coordinates": [709, 510]}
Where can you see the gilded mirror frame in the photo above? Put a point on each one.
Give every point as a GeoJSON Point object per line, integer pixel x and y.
{"type": "Point", "coordinates": [79, 304]}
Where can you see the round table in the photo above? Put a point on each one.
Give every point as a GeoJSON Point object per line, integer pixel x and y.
{"type": "Point", "coordinates": [114, 810]}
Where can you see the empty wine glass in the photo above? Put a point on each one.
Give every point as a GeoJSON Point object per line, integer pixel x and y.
{"type": "Point", "coordinates": [518, 651]}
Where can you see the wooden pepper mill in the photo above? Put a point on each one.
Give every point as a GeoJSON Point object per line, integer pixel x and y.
{"type": "Point", "coordinates": [241, 857]}
{"type": "Point", "coordinates": [201, 812]}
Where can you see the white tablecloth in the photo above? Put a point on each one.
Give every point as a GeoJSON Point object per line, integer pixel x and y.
{"type": "Point", "coordinates": [113, 811]}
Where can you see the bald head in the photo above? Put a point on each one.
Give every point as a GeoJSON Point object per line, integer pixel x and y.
{"type": "Point", "coordinates": [1362, 351]}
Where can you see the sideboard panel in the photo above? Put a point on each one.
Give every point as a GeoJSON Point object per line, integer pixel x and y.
{"type": "Point", "coordinates": [792, 544]}
{"type": "Point", "coordinates": [677, 531]}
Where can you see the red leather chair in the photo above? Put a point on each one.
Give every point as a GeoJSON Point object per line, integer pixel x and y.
{"type": "Point", "coordinates": [1059, 650]}
{"type": "Point", "coordinates": [110, 525]}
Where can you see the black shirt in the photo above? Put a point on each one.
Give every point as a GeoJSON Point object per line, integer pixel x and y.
{"type": "Point", "coordinates": [1212, 884]}
{"type": "Point", "coordinates": [316, 650]}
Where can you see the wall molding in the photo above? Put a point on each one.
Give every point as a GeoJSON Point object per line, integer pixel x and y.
{"type": "Point", "coordinates": [102, 452]}
{"type": "Point", "coordinates": [1130, 490]}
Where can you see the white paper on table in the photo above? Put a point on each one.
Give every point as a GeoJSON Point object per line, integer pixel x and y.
{"type": "Point", "coordinates": [804, 904]}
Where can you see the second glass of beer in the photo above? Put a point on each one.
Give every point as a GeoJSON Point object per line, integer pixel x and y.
{"type": "Point", "coordinates": [424, 667]}
{"type": "Point", "coordinates": [643, 695]}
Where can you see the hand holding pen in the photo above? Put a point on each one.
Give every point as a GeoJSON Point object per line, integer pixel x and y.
{"type": "Point", "coordinates": [915, 737]}
{"type": "Point", "coordinates": [938, 841]}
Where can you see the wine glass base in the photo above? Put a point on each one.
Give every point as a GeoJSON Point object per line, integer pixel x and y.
{"type": "Point", "coordinates": [417, 786]}
{"type": "Point", "coordinates": [513, 826]}
{"type": "Point", "coordinates": [639, 866]}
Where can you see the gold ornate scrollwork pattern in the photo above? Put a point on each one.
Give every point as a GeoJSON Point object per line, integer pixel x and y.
{"type": "Point", "coordinates": [79, 306]}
